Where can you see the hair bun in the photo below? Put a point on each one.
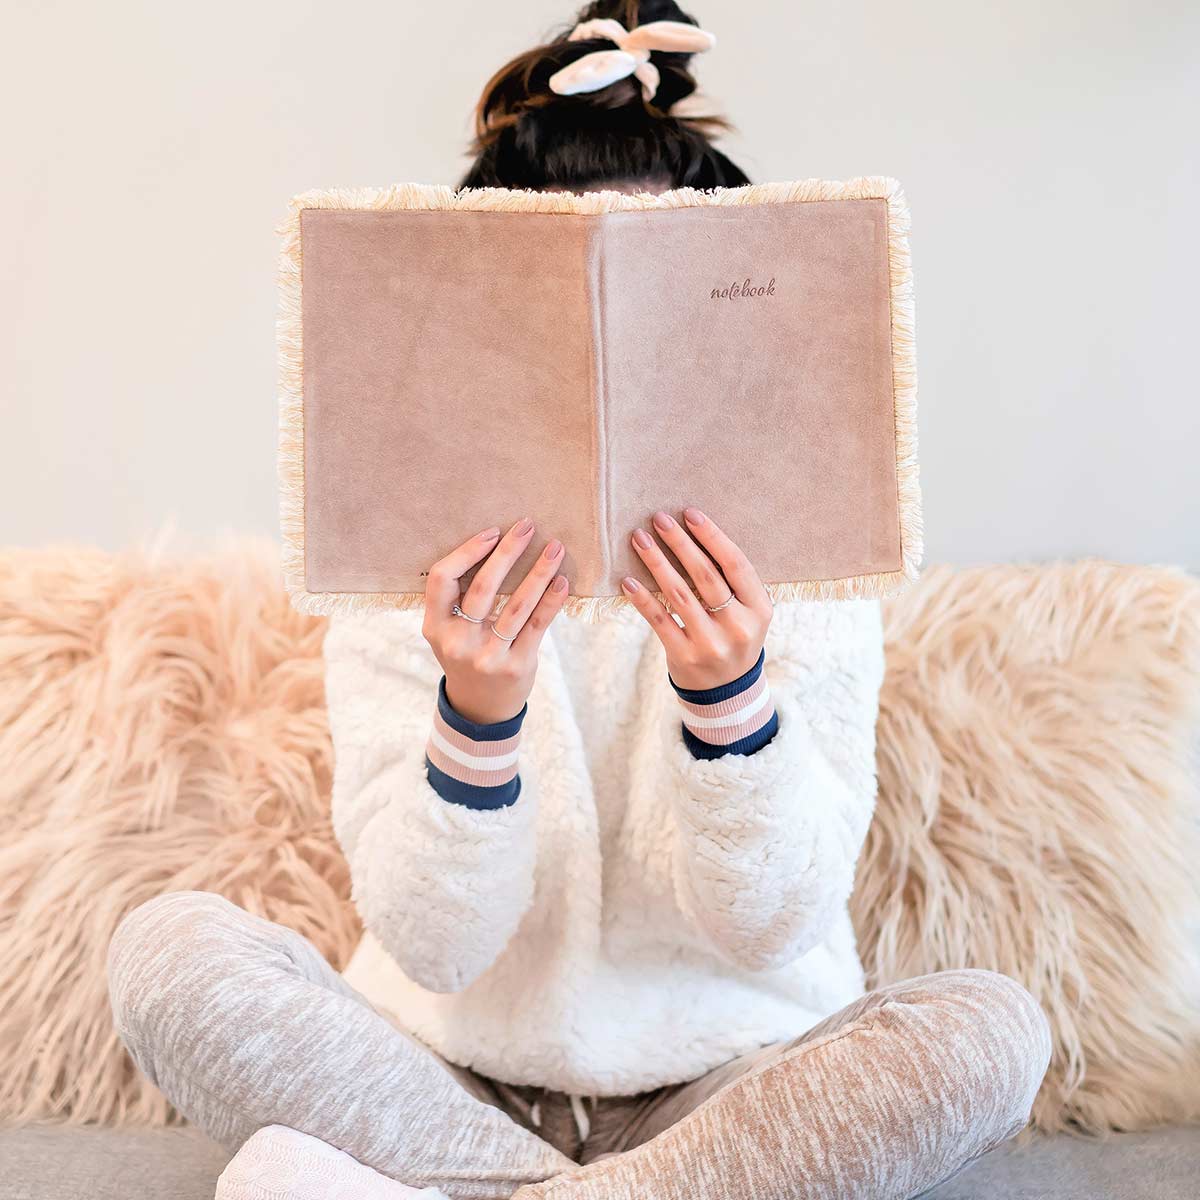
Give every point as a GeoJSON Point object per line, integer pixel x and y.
{"type": "Point", "coordinates": [527, 134]}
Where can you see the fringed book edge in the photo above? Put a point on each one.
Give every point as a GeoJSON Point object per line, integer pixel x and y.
{"type": "Point", "coordinates": [430, 196]}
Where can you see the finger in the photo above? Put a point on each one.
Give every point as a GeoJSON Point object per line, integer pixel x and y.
{"type": "Point", "coordinates": [675, 589]}
{"type": "Point", "coordinates": [547, 608]}
{"type": "Point", "coordinates": [525, 598]}
{"type": "Point", "coordinates": [441, 585]}
{"type": "Point", "coordinates": [735, 566]}
{"type": "Point", "coordinates": [660, 621]}
{"type": "Point", "coordinates": [705, 574]}
{"type": "Point", "coordinates": [480, 597]}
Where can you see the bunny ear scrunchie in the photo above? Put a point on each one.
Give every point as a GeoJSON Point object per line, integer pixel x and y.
{"type": "Point", "coordinates": [597, 70]}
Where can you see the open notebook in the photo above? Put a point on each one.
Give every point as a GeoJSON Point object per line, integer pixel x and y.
{"type": "Point", "coordinates": [454, 360]}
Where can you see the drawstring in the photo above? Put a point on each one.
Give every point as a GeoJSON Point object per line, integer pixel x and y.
{"type": "Point", "coordinates": [583, 1123]}
{"type": "Point", "coordinates": [579, 1112]}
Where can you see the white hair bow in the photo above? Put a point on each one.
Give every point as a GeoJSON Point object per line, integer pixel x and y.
{"type": "Point", "coordinates": [597, 70]}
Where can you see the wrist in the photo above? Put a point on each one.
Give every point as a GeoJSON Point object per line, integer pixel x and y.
{"type": "Point", "coordinates": [711, 681]}
{"type": "Point", "coordinates": [704, 679]}
{"type": "Point", "coordinates": [479, 710]}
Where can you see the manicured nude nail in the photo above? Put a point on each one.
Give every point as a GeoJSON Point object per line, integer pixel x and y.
{"type": "Point", "coordinates": [694, 515]}
{"type": "Point", "coordinates": [559, 584]}
{"type": "Point", "coordinates": [664, 521]}
{"type": "Point", "coordinates": [643, 539]}
{"type": "Point", "coordinates": [523, 526]}
{"type": "Point", "coordinates": [630, 585]}
{"type": "Point", "coordinates": [553, 549]}
{"type": "Point", "coordinates": [486, 535]}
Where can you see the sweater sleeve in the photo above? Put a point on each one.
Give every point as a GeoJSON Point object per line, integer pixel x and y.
{"type": "Point", "coordinates": [442, 885]}
{"type": "Point", "coordinates": [765, 844]}
{"type": "Point", "coordinates": [735, 718]}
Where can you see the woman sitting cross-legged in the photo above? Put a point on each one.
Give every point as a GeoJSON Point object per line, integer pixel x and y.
{"type": "Point", "coordinates": [603, 868]}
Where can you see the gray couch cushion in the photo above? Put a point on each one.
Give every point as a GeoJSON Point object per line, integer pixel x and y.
{"type": "Point", "coordinates": [59, 1163]}
{"type": "Point", "coordinates": [1163, 1165]}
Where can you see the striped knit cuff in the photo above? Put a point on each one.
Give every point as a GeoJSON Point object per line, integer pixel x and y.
{"type": "Point", "coordinates": [471, 764]}
{"type": "Point", "coordinates": [735, 718]}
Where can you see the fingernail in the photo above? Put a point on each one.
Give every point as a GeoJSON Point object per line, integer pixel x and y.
{"type": "Point", "coordinates": [523, 526]}
{"type": "Point", "coordinates": [643, 539]}
{"type": "Point", "coordinates": [694, 515]}
{"type": "Point", "coordinates": [630, 585]}
{"type": "Point", "coordinates": [664, 521]}
{"type": "Point", "coordinates": [559, 584]}
{"type": "Point", "coordinates": [553, 548]}
{"type": "Point", "coordinates": [486, 535]}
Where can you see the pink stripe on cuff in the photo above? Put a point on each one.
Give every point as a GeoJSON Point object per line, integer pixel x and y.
{"type": "Point", "coordinates": [473, 777]}
{"type": "Point", "coordinates": [476, 763]}
{"type": "Point", "coordinates": [469, 745]}
{"type": "Point", "coordinates": [724, 707]}
{"type": "Point", "coordinates": [730, 720]}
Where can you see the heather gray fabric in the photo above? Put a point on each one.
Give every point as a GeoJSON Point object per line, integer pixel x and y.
{"type": "Point", "coordinates": [880, 1101]}
{"type": "Point", "coordinates": [243, 1025]}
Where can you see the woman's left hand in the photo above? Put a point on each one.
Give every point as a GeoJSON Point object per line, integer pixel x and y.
{"type": "Point", "coordinates": [712, 648]}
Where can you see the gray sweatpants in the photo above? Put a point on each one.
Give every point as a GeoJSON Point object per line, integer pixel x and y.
{"type": "Point", "coordinates": [243, 1024]}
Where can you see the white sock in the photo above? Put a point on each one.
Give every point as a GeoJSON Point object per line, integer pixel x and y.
{"type": "Point", "coordinates": [278, 1163]}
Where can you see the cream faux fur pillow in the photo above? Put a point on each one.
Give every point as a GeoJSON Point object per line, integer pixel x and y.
{"type": "Point", "coordinates": [162, 726]}
{"type": "Point", "coordinates": [1034, 817]}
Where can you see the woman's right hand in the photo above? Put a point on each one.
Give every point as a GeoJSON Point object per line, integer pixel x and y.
{"type": "Point", "coordinates": [489, 679]}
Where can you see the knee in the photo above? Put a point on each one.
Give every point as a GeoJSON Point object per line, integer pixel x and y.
{"type": "Point", "coordinates": [998, 1033]}
{"type": "Point", "coordinates": [161, 949]}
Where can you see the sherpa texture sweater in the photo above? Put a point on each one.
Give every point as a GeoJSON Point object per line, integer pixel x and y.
{"type": "Point", "coordinates": [638, 915]}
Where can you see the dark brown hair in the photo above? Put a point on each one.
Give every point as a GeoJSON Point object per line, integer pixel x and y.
{"type": "Point", "coordinates": [527, 136]}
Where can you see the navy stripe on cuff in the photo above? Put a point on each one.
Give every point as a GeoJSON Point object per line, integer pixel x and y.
{"type": "Point", "coordinates": [748, 745]}
{"type": "Point", "coordinates": [470, 795]}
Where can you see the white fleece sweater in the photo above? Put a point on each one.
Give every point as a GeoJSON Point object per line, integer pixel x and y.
{"type": "Point", "coordinates": [638, 916]}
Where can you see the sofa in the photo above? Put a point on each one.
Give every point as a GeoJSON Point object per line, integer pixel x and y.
{"type": "Point", "coordinates": [50, 1163]}
{"type": "Point", "coordinates": [162, 726]}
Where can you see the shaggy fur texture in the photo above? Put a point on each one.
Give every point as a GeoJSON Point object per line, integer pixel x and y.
{"type": "Point", "coordinates": [290, 342]}
{"type": "Point", "coordinates": [1032, 818]}
{"type": "Point", "coordinates": [162, 726]}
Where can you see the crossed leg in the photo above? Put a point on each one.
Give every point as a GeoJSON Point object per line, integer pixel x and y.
{"type": "Point", "coordinates": [881, 1101]}
{"type": "Point", "coordinates": [244, 1025]}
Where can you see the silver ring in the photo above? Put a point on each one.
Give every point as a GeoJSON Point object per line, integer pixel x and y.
{"type": "Point", "coordinates": [458, 612]}
{"type": "Point", "coordinates": [723, 604]}
{"type": "Point", "coordinates": [501, 636]}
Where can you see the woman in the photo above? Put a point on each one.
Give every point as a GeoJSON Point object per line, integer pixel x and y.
{"type": "Point", "coordinates": [603, 868]}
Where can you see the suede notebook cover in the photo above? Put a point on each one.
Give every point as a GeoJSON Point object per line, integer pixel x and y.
{"type": "Point", "coordinates": [453, 360]}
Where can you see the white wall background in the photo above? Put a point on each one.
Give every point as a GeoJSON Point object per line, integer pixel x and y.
{"type": "Point", "coordinates": [1048, 147]}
